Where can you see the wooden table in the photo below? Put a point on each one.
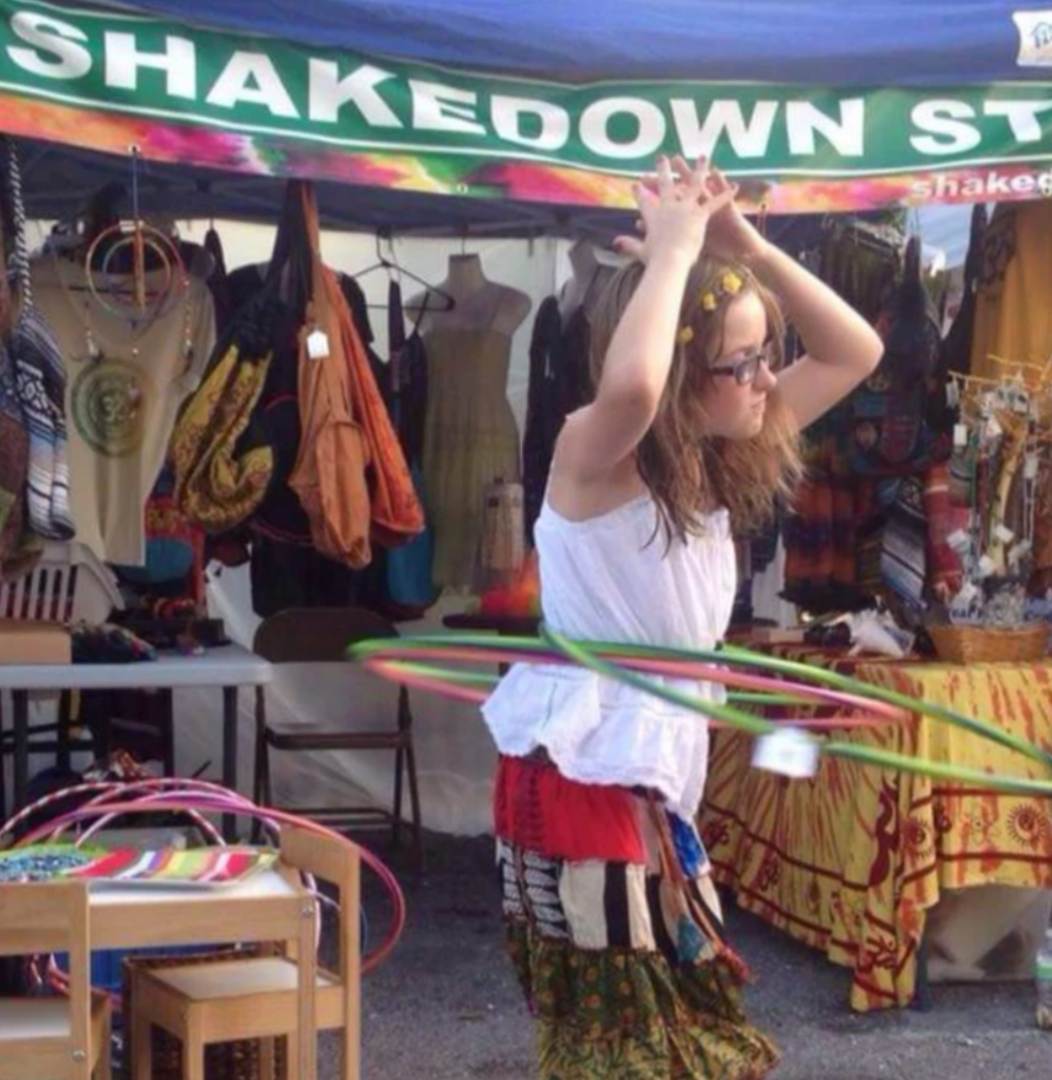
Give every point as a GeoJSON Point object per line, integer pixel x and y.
{"type": "Point", "coordinates": [269, 907]}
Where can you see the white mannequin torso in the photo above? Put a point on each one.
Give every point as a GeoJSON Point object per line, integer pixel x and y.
{"type": "Point", "coordinates": [592, 269]}
{"type": "Point", "coordinates": [478, 303]}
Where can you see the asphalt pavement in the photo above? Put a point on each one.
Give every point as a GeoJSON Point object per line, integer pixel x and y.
{"type": "Point", "coordinates": [446, 1005]}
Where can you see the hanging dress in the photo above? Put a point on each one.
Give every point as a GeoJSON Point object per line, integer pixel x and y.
{"type": "Point", "coordinates": [470, 441]}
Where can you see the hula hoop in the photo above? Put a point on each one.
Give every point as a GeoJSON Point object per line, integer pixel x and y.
{"type": "Point", "coordinates": [408, 661]}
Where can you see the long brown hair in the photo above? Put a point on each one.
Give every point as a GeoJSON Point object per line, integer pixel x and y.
{"type": "Point", "coordinates": [689, 473]}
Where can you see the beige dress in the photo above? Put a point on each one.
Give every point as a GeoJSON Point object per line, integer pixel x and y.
{"type": "Point", "coordinates": [470, 441]}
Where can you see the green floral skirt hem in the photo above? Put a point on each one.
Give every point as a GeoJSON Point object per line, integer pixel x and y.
{"type": "Point", "coordinates": [623, 1014]}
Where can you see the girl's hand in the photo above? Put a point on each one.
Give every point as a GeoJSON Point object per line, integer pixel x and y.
{"type": "Point", "coordinates": [731, 235]}
{"type": "Point", "coordinates": [676, 213]}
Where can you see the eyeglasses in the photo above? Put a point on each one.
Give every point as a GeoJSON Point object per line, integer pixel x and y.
{"type": "Point", "coordinates": [745, 369]}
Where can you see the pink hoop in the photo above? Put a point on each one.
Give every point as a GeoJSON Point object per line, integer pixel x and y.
{"type": "Point", "coordinates": [686, 670]}
{"type": "Point", "coordinates": [865, 713]}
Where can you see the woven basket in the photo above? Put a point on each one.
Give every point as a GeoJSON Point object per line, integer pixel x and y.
{"type": "Point", "coordinates": [223, 1061]}
{"type": "Point", "coordinates": [982, 645]}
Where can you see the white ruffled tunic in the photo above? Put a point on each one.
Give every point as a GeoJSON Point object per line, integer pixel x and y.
{"type": "Point", "coordinates": [610, 579]}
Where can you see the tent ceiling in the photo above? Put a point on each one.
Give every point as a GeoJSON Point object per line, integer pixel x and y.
{"type": "Point", "coordinates": [59, 181]}
{"type": "Point", "coordinates": [811, 42]}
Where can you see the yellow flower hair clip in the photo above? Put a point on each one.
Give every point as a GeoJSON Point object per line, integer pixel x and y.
{"type": "Point", "coordinates": [730, 284]}
{"type": "Point", "coordinates": [686, 335]}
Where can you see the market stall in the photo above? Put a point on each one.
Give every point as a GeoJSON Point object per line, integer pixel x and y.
{"type": "Point", "coordinates": [186, 348]}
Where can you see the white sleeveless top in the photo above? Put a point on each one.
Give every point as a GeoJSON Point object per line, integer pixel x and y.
{"type": "Point", "coordinates": [610, 579]}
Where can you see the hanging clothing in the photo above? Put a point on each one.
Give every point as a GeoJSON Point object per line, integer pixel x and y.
{"type": "Point", "coordinates": [854, 530]}
{"type": "Point", "coordinates": [900, 421]}
{"type": "Point", "coordinates": [285, 569]}
{"type": "Point", "coordinates": [544, 418]}
{"type": "Point", "coordinates": [40, 381]}
{"type": "Point", "coordinates": [957, 345]}
{"type": "Point", "coordinates": [470, 441]}
{"type": "Point", "coordinates": [7, 312]}
{"type": "Point", "coordinates": [14, 436]}
{"type": "Point", "coordinates": [345, 428]}
{"type": "Point", "coordinates": [560, 383]}
{"type": "Point", "coordinates": [223, 464]}
{"type": "Point", "coordinates": [123, 402]}
{"type": "Point", "coordinates": [1013, 316]}
{"type": "Point", "coordinates": [409, 566]}
{"type": "Point", "coordinates": [14, 462]}
{"type": "Point", "coordinates": [218, 282]}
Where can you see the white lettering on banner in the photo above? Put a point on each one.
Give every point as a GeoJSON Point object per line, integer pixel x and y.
{"type": "Point", "coordinates": [595, 128]}
{"type": "Point", "coordinates": [251, 78]}
{"type": "Point", "coordinates": [329, 93]}
{"type": "Point", "coordinates": [444, 108]}
{"type": "Point", "coordinates": [52, 38]}
{"type": "Point", "coordinates": [179, 61]}
{"type": "Point", "coordinates": [847, 135]}
{"type": "Point", "coordinates": [1022, 117]}
{"type": "Point", "coordinates": [170, 72]}
{"type": "Point", "coordinates": [747, 138]}
{"type": "Point", "coordinates": [945, 122]}
{"type": "Point", "coordinates": [507, 113]}
{"type": "Point", "coordinates": [992, 185]}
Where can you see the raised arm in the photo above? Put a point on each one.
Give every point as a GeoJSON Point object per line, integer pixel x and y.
{"type": "Point", "coordinates": [598, 439]}
{"type": "Point", "coordinates": [842, 349]}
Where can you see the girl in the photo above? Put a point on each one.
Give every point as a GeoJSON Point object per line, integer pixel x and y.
{"type": "Point", "coordinates": [611, 918]}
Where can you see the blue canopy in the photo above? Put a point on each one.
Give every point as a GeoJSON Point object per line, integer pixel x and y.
{"type": "Point", "coordinates": [818, 43]}
{"type": "Point", "coordinates": [809, 42]}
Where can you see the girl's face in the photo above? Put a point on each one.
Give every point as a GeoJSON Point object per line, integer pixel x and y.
{"type": "Point", "coordinates": [738, 380]}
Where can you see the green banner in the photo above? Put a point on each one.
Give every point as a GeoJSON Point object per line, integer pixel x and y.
{"type": "Point", "coordinates": [253, 104]}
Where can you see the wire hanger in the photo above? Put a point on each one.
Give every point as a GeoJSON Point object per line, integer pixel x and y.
{"type": "Point", "coordinates": [391, 265]}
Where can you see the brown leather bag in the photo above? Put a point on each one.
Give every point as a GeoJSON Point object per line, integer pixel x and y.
{"type": "Point", "coordinates": [350, 476]}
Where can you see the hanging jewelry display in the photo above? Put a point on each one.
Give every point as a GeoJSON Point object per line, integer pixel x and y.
{"type": "Point", "coordinates": [150, 251]}
{"type": "Point", "coordinates": [134, 274]}
{"type": "Point", "coordinates": [1002, 443]}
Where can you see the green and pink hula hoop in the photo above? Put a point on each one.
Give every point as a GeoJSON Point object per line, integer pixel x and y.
{"type": "Point", "coordinates": [434, 663]}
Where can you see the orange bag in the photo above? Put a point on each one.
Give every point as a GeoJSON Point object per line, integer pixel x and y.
{"type": "Point", "coordinates": [350, 476]}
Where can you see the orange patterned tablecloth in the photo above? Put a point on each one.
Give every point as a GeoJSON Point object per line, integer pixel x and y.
{"type": "Point", "coordinates": [851, 861]}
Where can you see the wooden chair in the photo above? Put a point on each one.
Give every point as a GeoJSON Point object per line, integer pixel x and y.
{"type": "Point", "coordinates": [322, 636]}
{"type": "Point", "coordinates": [52, 1038]}
{"type": "Point", "coordinates": [256, 998]}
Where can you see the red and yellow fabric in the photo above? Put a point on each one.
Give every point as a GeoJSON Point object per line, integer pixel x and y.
{"type": "Point", "coordinates": [851, 861]}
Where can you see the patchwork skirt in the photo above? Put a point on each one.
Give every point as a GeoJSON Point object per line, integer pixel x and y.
{"type": "Point", "coordinates": [613, 927]}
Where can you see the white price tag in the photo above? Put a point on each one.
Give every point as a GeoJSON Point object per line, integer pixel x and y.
{"type": "Point", "coordinates": [1017, 554]}
{"type": "Point", "coordinates": [960, 436]}
{"type": "Point", "coordinates": [967, 594]}
{"type": "Point", "coordinates": [960, 541]}
{"type": "Point", "coordinates": [985, 568]}
{"type": "Point", "coordinates": [1003, 534]}
{"type": "Point", "coordinates": [1030, 466]}
{"type": "Point", "coordinates": [788, 752]}
{"type": "Point", "coordinates": [317, 345]}
{"type": "Point", "coordinates": [993, 428]}
{"type": "Point", "coordinates": [953, 394]}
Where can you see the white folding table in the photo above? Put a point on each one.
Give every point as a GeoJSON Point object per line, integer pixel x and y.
{"type": "Point", "coordinates": [228, 668]}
